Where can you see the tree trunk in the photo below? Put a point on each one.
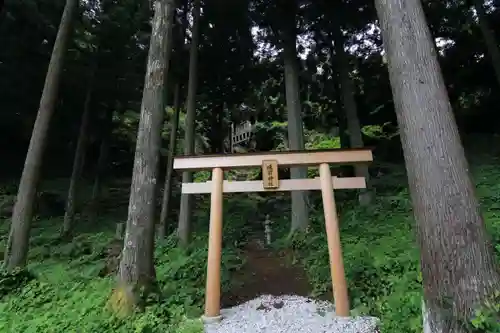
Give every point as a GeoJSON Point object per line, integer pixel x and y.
{"type": "Point", "coordinates": [489, 38]}
{"type": "Point", "coordinates": [216, 132]}
{"type": "Point", "coordinates": [136, 269]}
{"type": "Point", "coordinates": [167, 190]}
{"type": "Point", "coordinates": [351, 112]}
{"type": "Point", "coordinates": [17, 245]}
{"type": "Point", "coordinates": [457, 262]}
{"type": "Point", "coordinates": [343, 132]}
{"type": "Point", "coordinates": [345, 170]}
{"type": "Point", "coordinates": [333, 90]}
{"type": "Point", "coordinates": [300, 215]}
{"type": "Point", "coordinates": [78, 163]}
{"type": "Point", "coordinates": [185, 214]}
{"type": "Point", "coordinates": [101, 165]}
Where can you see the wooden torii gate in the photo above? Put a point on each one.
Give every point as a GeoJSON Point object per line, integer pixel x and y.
{"type": "Point", "coordinates": [270, 161]}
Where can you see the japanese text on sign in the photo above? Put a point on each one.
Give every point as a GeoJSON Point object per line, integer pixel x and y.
{"type": "Point", "coordinates": [270, 174]}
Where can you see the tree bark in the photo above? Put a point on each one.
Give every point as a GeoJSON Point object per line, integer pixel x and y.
{"type": "Point", "coordinates": [184, 226]}
{"type": "Point", "coordinates": [489, 38]}
{"type": "Point", "coordinates": [18, 243]}
{"type": "Point", "coordinates": [345, 170]}
{"type": "Point", "coordinates": [457, 262]}
{"type": "Point", "coordinates": [167, 190]}
{"type": "Point", "coordinates": [353, 126]}
{"type": "Point", "coordinates": [300, 214]}
{"type": "Point", "coordinates": [136, 269]}
{"type": "Point", "coordinates": [101, 165]}
{"type": "Point", "coordinates": [216, 135]}
{"type": "Point", "coordinates": [78, 163]}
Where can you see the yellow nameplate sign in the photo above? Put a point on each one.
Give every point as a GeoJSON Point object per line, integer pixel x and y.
{"type": "Point", "coordinates": [270, 174]}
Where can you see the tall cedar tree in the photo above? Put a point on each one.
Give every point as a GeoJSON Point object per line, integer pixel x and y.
{"type": "Point", "coordinates": [136, 269]}
{"type": "Point", "coordinates": [348, 93]}
{"type": "Point", "coordinates": [18, 243]}
{"type": "Point", "coordinates": [300, 210]}
{"type": "Point", "coordinates": [182, 23]}
{"type": "Point", "coordinates": [167, 189]}
{"type": "Point", "coordinates": [185, 214]}
{"type": "Point", "coordinates": [106, 129]}
{"type": "Point", "coordinates": [78, 162]}
{"type": "Point", "coordinates": [458, 267]}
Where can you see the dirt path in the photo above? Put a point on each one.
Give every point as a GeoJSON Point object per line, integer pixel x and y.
{"type": "Point", "coordinates": [266, 272]}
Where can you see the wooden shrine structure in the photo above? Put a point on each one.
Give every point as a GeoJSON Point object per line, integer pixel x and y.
{"type": "Point", "coordinates": [270, 162]}
{"type": "Point", "coordinates": [239, 134]}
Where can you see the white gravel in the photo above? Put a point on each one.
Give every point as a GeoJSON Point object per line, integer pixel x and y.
{"type": "Point", "coordinates": [288, 314]}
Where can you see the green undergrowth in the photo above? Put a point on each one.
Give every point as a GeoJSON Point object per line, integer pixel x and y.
{"type": "Point", "coordinates": [65, 291]}
{"type": "Point", "coordinates": [66, 287]}
{"type": "Point", "coordinates": [381, 257]}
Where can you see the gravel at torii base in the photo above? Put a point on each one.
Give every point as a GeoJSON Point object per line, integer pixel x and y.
{"type": "Point", "coordinates": [288, 314]}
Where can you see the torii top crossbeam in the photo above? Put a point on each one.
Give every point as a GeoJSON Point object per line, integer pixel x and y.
{"type": "Point", "coordinates": [287, 158]}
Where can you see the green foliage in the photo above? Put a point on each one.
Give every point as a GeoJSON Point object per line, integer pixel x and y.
{"type": "Point", "coordinates": [11, 282]}
{"type": "Point", "coordinates": [378, 131]}
{"type": "Point", "coordinates": [201, 176]}
{"type": "Point", "coordinates": [488, 188]}
{"type": "Point", "coordinates": [6, 205]}
{"type": "Point", "coordinates": [487, 318]}
{"type": "Point", "coordinates": [381, 263]}
{"type": "Point", "coordinates": [317, 140]}
{"type": "Point", "coordinates": [64, 290]}
{"type": "Point", "coordinates": [174, 266]}
{"type": "Point", "coordinates": [381, 258]}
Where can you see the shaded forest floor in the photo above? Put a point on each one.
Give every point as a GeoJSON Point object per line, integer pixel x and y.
{"type": "Point", "coordinates": [266, 272]}
{"type": "Point", "coordinates": [72, 280]}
